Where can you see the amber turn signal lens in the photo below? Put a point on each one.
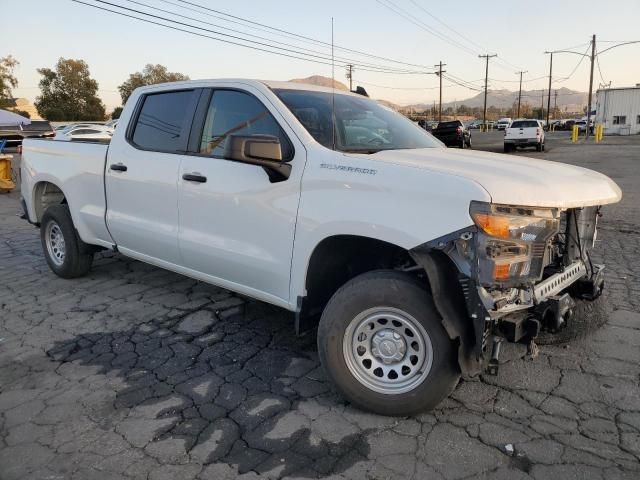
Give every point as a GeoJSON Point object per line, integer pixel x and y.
{"type": "Point", "coordinates": [501, 271]}
{"type": "Point", "coordinates": [493, 225]}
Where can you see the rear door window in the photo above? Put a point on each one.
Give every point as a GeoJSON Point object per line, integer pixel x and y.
{"type": "Point", "coordinates": [162, 121]}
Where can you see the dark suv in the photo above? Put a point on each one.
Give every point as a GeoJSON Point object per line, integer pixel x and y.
{"type": "Point", "coordinates": [453, 134]}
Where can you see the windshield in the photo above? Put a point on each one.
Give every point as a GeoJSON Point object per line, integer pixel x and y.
{"type": "Point", "coordinates": [361, 125]}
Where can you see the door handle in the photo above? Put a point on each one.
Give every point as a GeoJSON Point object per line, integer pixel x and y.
{"type": "Point", "coordinates": [118, 167]}
{"type": "Point", "coordinates": [194, 177]}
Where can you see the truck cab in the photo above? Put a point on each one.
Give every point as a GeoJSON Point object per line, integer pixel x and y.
{"type": "Point", "coordinates": [409, 258]}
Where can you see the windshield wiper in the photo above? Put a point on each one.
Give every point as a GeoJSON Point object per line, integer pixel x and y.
{"type": "Point", "coordinates": [366, 151]}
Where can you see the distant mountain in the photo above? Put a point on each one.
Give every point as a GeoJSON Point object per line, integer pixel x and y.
{"type": "Point", "coordinates": [567, 99]}
{"type": "Point", "coordinates": [321, 81]}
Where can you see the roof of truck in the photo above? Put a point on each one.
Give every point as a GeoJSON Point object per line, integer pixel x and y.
{"type": "Point", "coordinates": [272, 84]}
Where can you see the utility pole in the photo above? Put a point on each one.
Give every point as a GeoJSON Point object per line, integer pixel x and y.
{"type": "Point", "coordinates": [542, 106]}
{"type": "Point", "coordinates": [555, 100]}
{"type": "Point", "coordinates": [520, 92]}
{"type": "Point", "coordinates": [439, 73]}
{"type": "Point", "coordinates": [486, 80]}
{"type": "Point", "coordinates": [350, 76]}
{"type": "Point", "coordinates": [550, 70]}
{"type": "Point", "coordinates": [593, 57]}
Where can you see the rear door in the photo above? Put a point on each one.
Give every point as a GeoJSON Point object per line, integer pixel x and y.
{"type": "Point", "coordinates": [236, 223]}
{"type": "Point", "coordinates": [142, 173]}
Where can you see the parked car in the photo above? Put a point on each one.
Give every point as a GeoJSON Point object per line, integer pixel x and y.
{"type": "Point", "coordinates": [582, 125]}
{"type": "Point", "coordinates": [15, 134]}
{"type": "Point", "coordinates": [475, 124]}
{"type": "Point", "coordinates": [524, 133]}
{"type": "Point", "coordinates": [415, 258]}
{"type": "Point", "coordinates": [453, 134]}
{"type": "Point", "coordinates": [503, 123]}
{"type": "Point", "coordinates": [85, 133]}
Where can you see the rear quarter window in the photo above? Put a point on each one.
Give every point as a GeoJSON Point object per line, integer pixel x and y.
{"type": "Point", "coordinates": [160, 124]}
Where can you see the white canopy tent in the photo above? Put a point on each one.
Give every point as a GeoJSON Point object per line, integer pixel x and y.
{"type": "Point", "coordinates": [9, 118]}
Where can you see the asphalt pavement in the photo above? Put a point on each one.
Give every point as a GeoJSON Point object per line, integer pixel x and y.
{"type": "Point", "coordinates": [135, 372]}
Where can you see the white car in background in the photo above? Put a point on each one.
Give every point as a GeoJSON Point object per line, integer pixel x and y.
{"type": "Point", "coordinates": [85, 132]}
{"type": "Point", "coordinates": [503, 123]}
{"type": "Point", "coordinates": [522, 133]}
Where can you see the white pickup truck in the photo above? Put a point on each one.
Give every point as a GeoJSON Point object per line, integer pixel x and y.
{"type": "Point", "coordinates": [414, 259]}
{"type": "Point", "coordinates": [523, 133]}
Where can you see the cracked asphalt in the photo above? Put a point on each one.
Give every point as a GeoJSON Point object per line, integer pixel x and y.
{"type": "Point", "coordinates": [135, 372]}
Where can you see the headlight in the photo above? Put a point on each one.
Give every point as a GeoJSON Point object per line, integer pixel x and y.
{"type": "Point", "coordinates": [511, 245]}
{"type": "Point", "coordinates": [515, 223]}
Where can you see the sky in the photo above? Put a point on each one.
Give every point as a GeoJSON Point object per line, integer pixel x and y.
{"type": "Point", "coordinates": [425, 33]}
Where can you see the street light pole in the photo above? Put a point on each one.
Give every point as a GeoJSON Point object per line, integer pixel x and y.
{"type": "Point", "coordinates": [549, 98]}
{"type": "Point", "coordinates": [593, 57]}
{"type": "Point", "coordinates": [486, 80]}
{"type": "Point", "coordinates": [520, 93]}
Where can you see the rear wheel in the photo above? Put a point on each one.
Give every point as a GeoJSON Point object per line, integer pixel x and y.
{"type": "Point", "coordinates": [507, 147]}
{"type": "Point", "coordinates": [539, 147]}
{"type": "Point", "coordinates": [382, 343]}
{"type": "Point", "coordinates": [66, 254]}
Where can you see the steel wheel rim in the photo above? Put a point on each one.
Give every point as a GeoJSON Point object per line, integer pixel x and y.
{"type": "Point", "coordinates": [373, 350]}
{"type": "Point", "coordinates": [55, 243]}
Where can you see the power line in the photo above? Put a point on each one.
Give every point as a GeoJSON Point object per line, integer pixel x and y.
{"type": "Point", "coordinates": [199, 34]}
{"type": "Point", "coordinates": [599, 70]}
{"type": "Point", "coordinates": [461, 84]}
{"type": "Point", "coordinates": [412, 19]}
{"type": "Point", "coordinates": [471, 42]}
{"type": "Point", "coordinates": [302, 49]}
{"type": "Point", "coordinates": [285, 32]}
{"type": "Point", "coordinates": [291, 53]}
{"type": "Point", "coordinates": [563, 79]}
{"type": "Point", "coordinates": [399, 88]}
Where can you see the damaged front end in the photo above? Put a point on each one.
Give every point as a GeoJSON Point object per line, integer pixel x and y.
{"type": "Point", "coordinates": [519, 271]}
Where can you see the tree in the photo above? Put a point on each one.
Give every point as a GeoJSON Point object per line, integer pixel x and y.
{"type": "Point", "coordinates": [150, 75]}
{"type": "Point", "coordinates": [69, 93]}
{"type": "Point", "coordinates": [116, 113]}
{"type": "Point", "coordinates": [7, 80]}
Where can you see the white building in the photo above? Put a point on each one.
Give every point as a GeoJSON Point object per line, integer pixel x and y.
{"type": "Point", "coordinates": [618, 109]}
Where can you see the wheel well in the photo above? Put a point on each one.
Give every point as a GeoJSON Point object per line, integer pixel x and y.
{"type": "Point", "coordinates": [44, 195]}
{"type": "Point", "coordinates": [338, 259]}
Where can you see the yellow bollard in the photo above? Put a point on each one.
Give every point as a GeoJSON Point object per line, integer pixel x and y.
{"type": "Point", "coordinates": [6, 184]}
{"type": "Point", "coordinates": [574, 134]}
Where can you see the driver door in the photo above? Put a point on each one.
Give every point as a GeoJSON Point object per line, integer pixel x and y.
{"type": "Point", "coordinates": [236, 224]}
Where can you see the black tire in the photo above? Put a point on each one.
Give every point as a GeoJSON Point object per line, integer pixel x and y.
{"type": "Point", "coordinates": [386, 289]}
{"type": "Point", "coordinates": [539, 147]}
{"type": "Point", "coordinates": [507, 148]}
{"type": "Point", "coordinates": [543, 146]}
{"type": "Point", "coordinates": [462, 144]}
{"type": "Point", "coordinates": [78, 256]}
{"type": "Point", "coordinates": [469, 142]}
{"type": "Point", "coordinates": [588, 316]}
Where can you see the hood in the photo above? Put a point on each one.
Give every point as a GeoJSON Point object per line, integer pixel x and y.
{"type": "Point", "coordinates": [514, 180]}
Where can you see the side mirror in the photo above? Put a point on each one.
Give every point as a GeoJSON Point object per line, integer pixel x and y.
{"type": "Point", "coordinates": [262, 150]}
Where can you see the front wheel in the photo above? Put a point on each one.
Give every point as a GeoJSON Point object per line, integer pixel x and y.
{"type": "Point", "coordinates": [382, 343]}
{"type": "Point", "coordinates": [67, 255]}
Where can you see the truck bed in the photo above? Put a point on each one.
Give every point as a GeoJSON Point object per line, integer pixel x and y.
{"type": "Point", "coordinates": [80, 167]}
